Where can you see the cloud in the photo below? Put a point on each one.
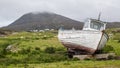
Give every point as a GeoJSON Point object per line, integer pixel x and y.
{"type": "Point", "coordinates": [75, 9]}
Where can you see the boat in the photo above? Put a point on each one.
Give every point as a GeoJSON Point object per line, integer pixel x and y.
{"type": "Point", "coordinates": [91, 39]}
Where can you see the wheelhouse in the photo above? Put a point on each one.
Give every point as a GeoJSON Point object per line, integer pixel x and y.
{"type": "Point", "coordinates": [93, 24]}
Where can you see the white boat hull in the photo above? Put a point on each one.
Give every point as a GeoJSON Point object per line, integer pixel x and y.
{"type": "Point", "coordinates": [86, 40]}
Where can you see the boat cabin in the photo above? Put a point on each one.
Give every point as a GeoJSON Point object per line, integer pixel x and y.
{"type": "Point", "coordinates": [93, 24]}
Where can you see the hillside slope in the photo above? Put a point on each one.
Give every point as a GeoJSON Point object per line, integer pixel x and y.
{"type": "Point", "coordinates": [44, 20]}
{"type": "Point", "coordinates": [113, 25]}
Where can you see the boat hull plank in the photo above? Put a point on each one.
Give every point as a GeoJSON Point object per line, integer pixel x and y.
{"type": "Point", "coordinates": [80, 47]}
{"type": "Point", "coordinates": [89, 41]}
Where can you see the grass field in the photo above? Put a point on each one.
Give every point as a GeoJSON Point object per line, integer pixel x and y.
{"type": "Point", "coordinates": [70, 64]}
{"type": "Point", "coordinates": [43, 50]}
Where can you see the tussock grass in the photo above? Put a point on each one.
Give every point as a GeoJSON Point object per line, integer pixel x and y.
{"type": "Point", "coordinates": [31, 52]}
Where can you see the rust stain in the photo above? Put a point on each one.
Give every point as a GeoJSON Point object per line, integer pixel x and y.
{"type": "Point", "coordinates": [80, 47]}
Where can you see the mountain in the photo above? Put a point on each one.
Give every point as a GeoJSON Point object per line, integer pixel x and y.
{"type": "Point", "coordinates": [47, 20]}
{"type": "Point", "coordinates": [113, 25]}
{"type": "Point", "coordinates": [43, 20]}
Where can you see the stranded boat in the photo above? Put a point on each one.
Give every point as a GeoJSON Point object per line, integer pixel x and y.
{"type": "Point", "coordinates": [90, 39]}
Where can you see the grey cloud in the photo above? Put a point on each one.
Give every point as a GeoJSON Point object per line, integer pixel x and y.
{"type": "Point", "coordinates": [75, 9]}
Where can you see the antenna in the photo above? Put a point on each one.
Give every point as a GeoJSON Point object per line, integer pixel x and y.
{"type": "Point", "coordinates": [99, 16]}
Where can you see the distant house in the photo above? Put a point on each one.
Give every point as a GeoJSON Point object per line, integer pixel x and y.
{"type": "Point", "coordinates": [33, 30]}
{"type": "Point", "coordinates": [52, 30]}
{"type": "Point", "coordinates": [41, 31]}
{"type": "Point", "coordinates": [46, 29]}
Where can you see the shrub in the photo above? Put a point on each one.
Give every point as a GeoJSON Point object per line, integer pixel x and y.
{"type": "Point", "coordinates": [4, 52]}
{"type": "Point", "coordinates": [2, 56]}
{"type": "Point", "coordinates": [60, 49]}
{"type": "Point", "coordinates": [111, 57]}
{"type": "Point", "coordinates": [28, 49]}
{"type": "Point", "coordinates": [37, 48]}
{"type": "Point", "coordinates": [14, 54]}
{"type": "Point", "coordinates": [37, 38]}
{"type": "Point", "coordinates": [8, 61]}
{"type": "Point", "coordinates": [45, 58]}
{"type": "Point", "coordinates": [107, 49]}
{"type": "Point", "coordinates": [35, 52]}
{"type": "Point", "coordinates": [119, 41]}
{"type": "Point", "coordinates": [50, 50]}
{"type": "Point", "coordinates": [66, 63]}
{"type": "Point", "coordinates": [25, 51]}
{"type": "Point", "coordinates": [116, 36]}
{"type": "Point", "coordinates": [44, 38]}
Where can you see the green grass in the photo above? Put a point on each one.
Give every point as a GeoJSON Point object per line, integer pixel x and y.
{"type": "Point", "coordinates": [80, 64]}
{"type": "Point", "coordinates": [71, 64]}
{"type": "Point", "coordinates": [30, 52]}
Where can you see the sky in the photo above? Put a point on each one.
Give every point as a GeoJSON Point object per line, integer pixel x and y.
{"type": "Point", "coordinates": [11, 10]}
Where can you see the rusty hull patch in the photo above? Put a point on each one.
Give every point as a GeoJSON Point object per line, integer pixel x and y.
{"type": "Point", "coordinates": [80, 47]}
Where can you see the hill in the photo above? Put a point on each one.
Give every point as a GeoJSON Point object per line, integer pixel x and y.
{"type": "Point", "coordinates": [113, 25]}
{"type": "Point", "coordinates": [47, 20]}
{"type": "Point", "coordinates": [44, 20]}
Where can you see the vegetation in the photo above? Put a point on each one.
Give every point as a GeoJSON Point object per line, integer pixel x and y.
{"type": "Point", "coordinates": [42, 49]}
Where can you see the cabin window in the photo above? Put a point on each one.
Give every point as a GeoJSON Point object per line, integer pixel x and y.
{"type": "Point", "coordinates": [86, 24]}
{"type": "Point", "coordinates": [96, 25]}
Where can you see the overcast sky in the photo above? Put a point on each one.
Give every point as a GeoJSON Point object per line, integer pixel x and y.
{"type": "Point", "coordinates": [10, 10]}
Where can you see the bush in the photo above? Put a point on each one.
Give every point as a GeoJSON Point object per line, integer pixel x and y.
{"type": "Point", "coordinates": [37, 38]}
{"type": "Point", "coordinates": [25, 51]}
{"type": "Point", "coordinates": [107, 49]}
{"type": "Point", "coordinates": [60, 49]}
{"type": "Point", "coordinates": [66, 63]}
{"type": "Point", "coordinates": [50, 50]}
{"type": "Point", "coordinates": [44, 37]}
{"type": "Point", "coordinates": [119, 41]}
{"type": "Point", "coordinates": [45, 58]}
{"type": "Point", "coordinates": [37, 48]}
{"type": "Point", "coordinates": [116, 36]}
{"type": "Point", "coordinates": [8, 61]}
{"type": "Point", "coordinates": [4, 52]}
{"type": "Point", "coordinates": [111, 57]}
{"type": "Point", "coordinates": [2, 56]}
{"type": "Point", "coordinates": [35, 52]}
{"type": "Point", "coordinates": [75, 59]}
{"type": "Point", "coordinates": [3, 46]}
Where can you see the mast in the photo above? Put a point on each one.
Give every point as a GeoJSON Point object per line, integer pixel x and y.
{"type": "Point", "coordinates": [99, 16]}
